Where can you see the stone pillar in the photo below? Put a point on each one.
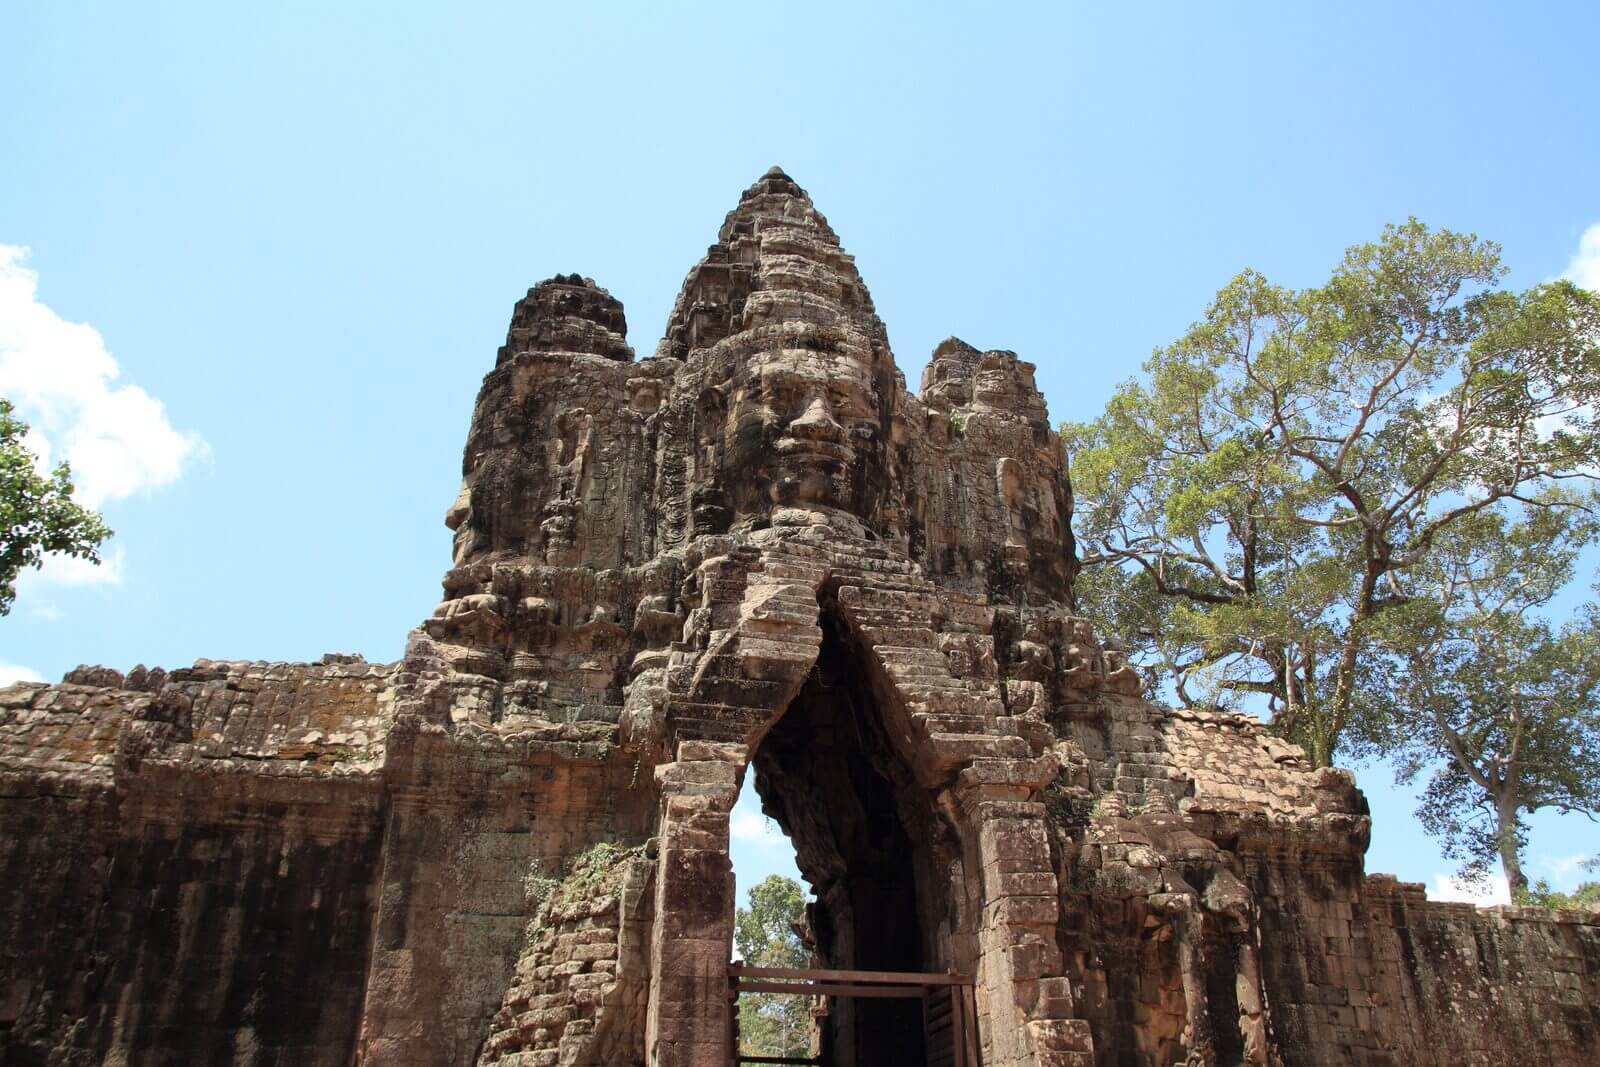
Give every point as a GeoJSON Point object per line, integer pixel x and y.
{"type": "Point", "coordinates": [1252, 1005]}
{"type": "Point", "coordinates": [688, 1013]}
{"type": "Point", "coordinates": [1024, 1005]}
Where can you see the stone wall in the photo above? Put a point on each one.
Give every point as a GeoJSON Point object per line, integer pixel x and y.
{"type": "Point", "coordinates": [1369, 972]}
{"type": "Point", "coordinates": [188, 866]}
{"type": "Point", "coordinates": [1466, 985]}
{"type": "Point", "coordinates": [276, 863]}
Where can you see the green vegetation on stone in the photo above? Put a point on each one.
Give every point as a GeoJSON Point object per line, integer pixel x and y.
{"type": "Point", "coordinates": [583, 876]}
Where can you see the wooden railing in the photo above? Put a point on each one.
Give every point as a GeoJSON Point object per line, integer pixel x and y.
{"type": "Point", "coordinates": [949, 1016]}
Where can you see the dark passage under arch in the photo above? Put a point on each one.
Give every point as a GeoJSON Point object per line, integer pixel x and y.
{"type": "Point", "coordinates": [869, 840]}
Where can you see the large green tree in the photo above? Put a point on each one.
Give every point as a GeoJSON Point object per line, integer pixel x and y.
{"type": "Point", "coordinates": [37, 512]}
{"type": "Point", "coordinates": [1251, 509]}
{"type": "Point", "coordinates": [773, 1024]}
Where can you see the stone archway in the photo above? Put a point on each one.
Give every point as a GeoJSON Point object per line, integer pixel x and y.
{"type": "Point", "coordinates": [941, 776]}
{"type": "Point", "coordinates": [886, 864]}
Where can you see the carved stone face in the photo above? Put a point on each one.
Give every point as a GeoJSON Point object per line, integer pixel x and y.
{"type": "Point", "coordinates": [804, 428]}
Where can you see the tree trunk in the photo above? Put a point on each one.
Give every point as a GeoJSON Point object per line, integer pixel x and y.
{"type": "Point", "coordinates": [1510, 861]}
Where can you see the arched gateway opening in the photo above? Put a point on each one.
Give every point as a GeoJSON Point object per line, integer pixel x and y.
{"type": "Point", "coordinates": [883, 861]}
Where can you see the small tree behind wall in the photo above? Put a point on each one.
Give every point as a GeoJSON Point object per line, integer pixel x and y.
{"type": "Point", "coordinates": [773, 1024]}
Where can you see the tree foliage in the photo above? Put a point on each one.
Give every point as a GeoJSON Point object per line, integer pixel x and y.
{"type": "Point", "coordinates": [1251, 512]}
{"type": "Point", "coordinates": [1511, 702]}
{"type": "Point", "coordinates": [37, 512]}
{"type": "Point", "coordinates": [766, 934]}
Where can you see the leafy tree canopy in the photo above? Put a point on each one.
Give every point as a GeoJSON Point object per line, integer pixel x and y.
{"type": "Point", "coordinates": [1251, 511]}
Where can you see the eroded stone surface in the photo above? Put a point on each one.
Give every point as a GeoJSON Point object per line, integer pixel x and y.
{"type": "Point", "coordinates": [755, 552]}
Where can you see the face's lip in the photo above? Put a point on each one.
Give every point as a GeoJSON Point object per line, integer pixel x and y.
{"type": "Point", "coordinates": [800, 448]}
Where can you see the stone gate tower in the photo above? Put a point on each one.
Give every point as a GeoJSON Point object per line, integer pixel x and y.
{"type": "Point", "coordinates": [756, 552]}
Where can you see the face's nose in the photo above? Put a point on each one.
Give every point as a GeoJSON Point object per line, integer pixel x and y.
{"type": "Point", "coordinates": [817, 422]}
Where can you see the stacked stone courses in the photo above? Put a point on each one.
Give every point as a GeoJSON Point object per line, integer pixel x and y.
{"type": "Point", "coordinates": [756, 552]}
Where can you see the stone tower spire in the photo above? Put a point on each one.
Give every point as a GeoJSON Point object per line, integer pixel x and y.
{"type": "Point", "coordinates": [776, 260]}
{"type": "Point", "coordinates": [790, 388]}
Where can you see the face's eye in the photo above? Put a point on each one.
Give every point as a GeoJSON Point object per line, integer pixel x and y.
{"type": "Point", "coordinates": [775, 394]}
{"type": "Point", "coordinates": [849, 403]}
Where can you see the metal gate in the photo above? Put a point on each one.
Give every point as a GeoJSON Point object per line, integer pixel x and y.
{"type": "Point", "coordinates": [949, 1014]}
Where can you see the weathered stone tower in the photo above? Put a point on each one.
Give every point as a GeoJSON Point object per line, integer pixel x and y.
{"type": "Point", "coordinates": [755, 551]}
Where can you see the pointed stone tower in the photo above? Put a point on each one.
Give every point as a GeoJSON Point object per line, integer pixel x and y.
{"type": "Point", "coordinates": [755, 553]}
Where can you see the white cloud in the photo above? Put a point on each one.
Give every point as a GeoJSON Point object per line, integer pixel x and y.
{"type": "Point", "coordinates": [70, 570]}
{"type": "Point", "coordinates": [12, 673]}
{"type": "Point", "coordinates": [757, 829]}
{"type": "Point", "coordinates": [58, 570]}
{"type": "Point", "coordinates": [1492, 890]}
{"type": "Point", "coordinates": [1565, 871]}
{"type": "Point", "coordinates": [62, 380]}
{"type": "Point", "coordinates": [1585, 266]}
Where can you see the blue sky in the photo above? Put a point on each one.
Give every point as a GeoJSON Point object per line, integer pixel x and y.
{"type": "Point", "coordinates": [297, 234]}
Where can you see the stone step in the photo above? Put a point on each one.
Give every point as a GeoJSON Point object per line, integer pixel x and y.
{"type": "Point", "coordinates": [959, 700]}
{"type": "Point", "coordinates": [899, 636]}
{"type": "Point", "coordinates": [958, 724]}
{"type": "Point", "coordinates": [725, 730]}
{"type": "Point", "coordinates": [905, 674]}
{"type": "Point", "coordinates": [955, 749]}
{"type": "Point", "coordinates": [895, 655]}
{"type": "Point", "coordinates": [794, 570]}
